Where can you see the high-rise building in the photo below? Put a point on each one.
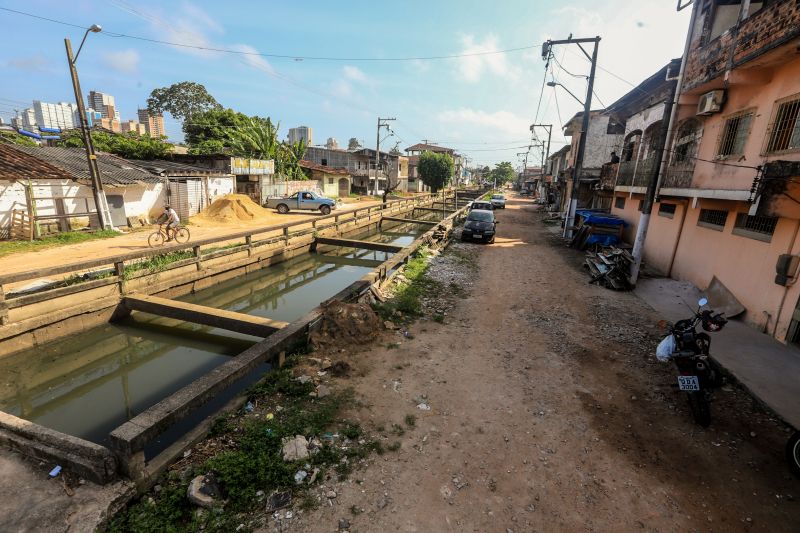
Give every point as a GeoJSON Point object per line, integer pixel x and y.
{"type": "Point", "coordinates": [25, 120]}
{"type": "Point", "coordinates": [154, 124]}
{"type": "Point", "coordinates": [300, 133]}
{"type": "Point", "coordinates": [135, 127]}
{"type": "Point", "coordinates": [332, 144]}
{"type": "Point", "coordinates": [61, 115]}
{"type": "Point", "coordinates": [104, 103]}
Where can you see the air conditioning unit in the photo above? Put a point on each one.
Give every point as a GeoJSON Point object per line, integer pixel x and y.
{"type": "Point", "coordinates": [711, 102]}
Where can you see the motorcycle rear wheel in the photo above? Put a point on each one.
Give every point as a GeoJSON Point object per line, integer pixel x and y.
{"type": "Point", "coordinates": [700, 407]}
{"type": "Point", "coordinates": [793, 453]}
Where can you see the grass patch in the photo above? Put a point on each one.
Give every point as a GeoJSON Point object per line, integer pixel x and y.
{"type": "Point", "coordinates": [438, 317]}
{"type": "Point", "coordinates": [408, 296]}
{"type": "Point", "coordinates": [398, 430]}
{"type": "Point", "coordinates": [218, 248]}
{"type": "Point", "coordinates": [157, 263]}
{"type": "Point", "coordinates": [392, 345]}
{"type": "Point", "coordinates": [51, 241]}
{"type": "Point", "coordinates": [393, 447]}
{"type": "Point", "coordinates": [411, 420]}
{"type": "Point", "coordinates": [254, 461]}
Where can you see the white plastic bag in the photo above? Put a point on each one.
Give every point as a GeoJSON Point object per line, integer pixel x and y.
{"type": "Point", "coordinates": [665, 348]}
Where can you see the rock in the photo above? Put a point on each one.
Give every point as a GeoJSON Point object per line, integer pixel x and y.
{"type": "Point", "coordinates": [331, 494]}
{"type": "Point", "coordinates": [300, 476]}
{"type": "Point", "coordinates": [204, 491]}
{"type": "Point", "coordinates": [423, 406]}
{"type": "Point", "coordinates": [295, 448]}
{"type": "Point", "coordinates": [344, 524]}
{"type": "Point", "coordinates": [323, 391]}
{"type": "Point", "coordinates": [383, 502]}
{"type": "Point", "coordinates": [388, 324]}
{"type": "Point", "coordinates": [303, 379]}
{"type": "Point", "coordinates": [314, 475]}
{"type": "Point", "coordinates": [279, 500]}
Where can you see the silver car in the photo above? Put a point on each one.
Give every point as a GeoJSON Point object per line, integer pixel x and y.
{"type": "Point", "coordinates": [498, 201]}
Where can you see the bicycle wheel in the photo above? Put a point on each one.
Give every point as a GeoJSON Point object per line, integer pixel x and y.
{"type": "Point", "coordinates": [156, 239]}
{"type": "Point", "coordinates": [182, 235]}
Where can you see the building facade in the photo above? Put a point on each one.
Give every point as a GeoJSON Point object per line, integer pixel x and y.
{"type": "Point", "coordinates": [58, 116]}
{"type": "Point", "coordinates": [301, 133]}
{"type": "Point", "coordinates": [104, 104]}
{"type": "Point", "coordinates": [727, 205]}
{"type": "Point", "coordinates": [153, 124]}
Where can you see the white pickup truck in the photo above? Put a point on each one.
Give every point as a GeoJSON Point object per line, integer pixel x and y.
{"type": "Point", "coordinates": [304, 200]}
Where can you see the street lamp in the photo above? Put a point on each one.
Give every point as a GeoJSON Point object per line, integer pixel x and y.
{"type": "Point", "coordinates": [554, 83]}
{"type": "Point", "coordinates": [100, 202]}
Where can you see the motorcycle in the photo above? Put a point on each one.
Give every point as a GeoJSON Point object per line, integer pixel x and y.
{"type": "Point", "coordinates": [689, 349]}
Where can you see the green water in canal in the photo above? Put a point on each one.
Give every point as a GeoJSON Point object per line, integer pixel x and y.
{"type": "Point", "coordinates": [88, 384]}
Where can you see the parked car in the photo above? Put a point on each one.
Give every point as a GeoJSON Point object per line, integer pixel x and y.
{"type": "Point", "coordinates": [498, 201]}
{"type": "Point", "coordinates": [480, 225]}
{"type": "Point", "coordinates": [481, 204]}
{"type": "Point", "coordinates": [303, 200]}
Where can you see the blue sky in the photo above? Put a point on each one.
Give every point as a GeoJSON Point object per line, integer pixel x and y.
{"type": "Point", "coordinates": [480, 105]}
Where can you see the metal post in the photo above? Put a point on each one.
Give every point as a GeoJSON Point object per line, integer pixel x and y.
{"type": "Point", "coordinates": [587, 108]}
{"type": "Point", "coordinates": [100, 203]}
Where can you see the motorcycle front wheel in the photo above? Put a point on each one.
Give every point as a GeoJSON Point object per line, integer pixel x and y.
{"type": "Point", "coordinates": [700, 407]}
{"type": "Point", "coordinates": [793, 453]}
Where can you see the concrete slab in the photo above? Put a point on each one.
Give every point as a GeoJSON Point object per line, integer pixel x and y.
{"type": "Point", "coordinates": [769, 369]}
{"type": "Point", "coordinates": [31, 501]}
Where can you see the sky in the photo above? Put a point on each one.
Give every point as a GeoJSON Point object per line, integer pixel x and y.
{"type": "Point", "coordinates": [481, 105]}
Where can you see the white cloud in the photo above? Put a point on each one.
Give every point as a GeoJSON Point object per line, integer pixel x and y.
{"type": "Point", "coordinates": [341, 88]}
{"type": "Point", "coordinates": [125, 61]}
{"type": "Point", "coordinates": [495, 124]}
{"type": "Point", "coordinates": [251, 58]}
{"type": "Point", "coordinates": [36, 62]}
{"type": "Point", "coordinates": [472, 67]}
{"type": "Point", "coordinates": [354, 74]}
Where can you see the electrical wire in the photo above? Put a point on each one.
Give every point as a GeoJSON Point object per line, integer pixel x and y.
{"type": "Point", "coordinates": [294, 57]}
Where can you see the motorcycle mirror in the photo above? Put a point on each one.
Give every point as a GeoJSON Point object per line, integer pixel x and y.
{"type": "Point", "coordinates": [702, 301]}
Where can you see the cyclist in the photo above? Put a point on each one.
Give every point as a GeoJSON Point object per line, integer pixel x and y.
{"type": "Point", "coordinates": [171, 219]}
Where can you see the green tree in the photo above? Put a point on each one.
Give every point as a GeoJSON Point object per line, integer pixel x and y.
{"type": "Point", "coordinates": [353, 144]}
{"type": "Point", "coordinates": [10, 137]}
{"type": "Point", "coordinates": [128, 145]}
{"type": "Point", "coordinates": [212, 125]}
{"type": "Point", "coordinates": [502, 172]}
{"type": "Point", "coordinates": [182, 100]}
{"type": "Point", "coordinates": [436, 170]}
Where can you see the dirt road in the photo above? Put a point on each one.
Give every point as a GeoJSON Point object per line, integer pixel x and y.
{"type": "Point", "coordinates": [132, 242]}
{"type": "Point", "coordinates": [549, 413]}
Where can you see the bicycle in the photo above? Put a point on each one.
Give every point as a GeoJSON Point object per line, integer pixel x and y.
{"type": "Point", "coordinates": [158, 238]}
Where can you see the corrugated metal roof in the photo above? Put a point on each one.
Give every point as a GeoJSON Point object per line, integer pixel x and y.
{"type": "Point", "coordinates": [19, 165]}
{"type": "Point", "coordinates": [303, 163]}
{"type": "Point", "coordinates": [171, 168]}
{"type": "Point", "coordinates": [114, 171]}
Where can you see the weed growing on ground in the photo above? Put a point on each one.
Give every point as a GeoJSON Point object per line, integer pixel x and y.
{"type": "Point", "coordinates": [59, 239]}
{"type": "Point", "coordinates": [407, 297]}
{"type": "Point", "coordinates": [393, 447]}
{"type": "Point", "coordinates": [438, 317]}
{"type": "Point", "coordinates": [157, 263]}
{"type": "Point", "coordinates": [398, 430]}
{"type": "Point", "coordinates": [392, 345]}
{"type": "Point", "coordinates": [411, 420]}
{"type": "Point", "coordinates": [254, 462]}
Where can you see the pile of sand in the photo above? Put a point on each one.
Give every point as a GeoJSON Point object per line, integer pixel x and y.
{"type": "Point", "coordinates": [232, 209]}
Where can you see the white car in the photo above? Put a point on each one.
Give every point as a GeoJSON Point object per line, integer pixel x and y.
{"type": "Point", "coordinates": [498, 201]}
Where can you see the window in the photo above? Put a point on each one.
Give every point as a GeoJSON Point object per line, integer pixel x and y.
{"type": "Point", "coordinates": [755, 227]}
{"type": "Point", "coordinates": [686, 142]}
{"type": "Point", "coordinates": [330, 181]}
{"type": "Point", "coordinates": [734, 134]}
{"type": "Point", "coordinates": [619, 202]}
{"type": "Point", "coordinates": [666, 210]}
{"type": "Point", "coordinates": [712, 219]}
{"type": "Point", "coordinates": [324, 162]}
{"type": "Point", "coordinates": [786, 126]}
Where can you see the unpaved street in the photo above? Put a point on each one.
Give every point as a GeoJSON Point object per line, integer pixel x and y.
{"type": "Point", "coordinates": [549, 413]}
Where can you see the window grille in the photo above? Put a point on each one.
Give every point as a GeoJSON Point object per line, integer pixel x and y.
{"type": "Point", "coordinates": [619, 202]}
{"type": "Point", "coordinates": [713, 217]}
{"type": "Point", "coordinates": [786, 128]}
{"type": "Point", "coordinates": [758, 224]}
{"type": "Point", "coordinates": [686, 144]}
{"type": "Point", "coordinates": [666, 210]}
{"type": "Point", "coordinates": [734, 134]}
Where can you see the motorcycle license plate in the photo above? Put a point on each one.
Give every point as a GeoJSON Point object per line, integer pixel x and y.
{"type": "Point", "coordinates": [688, 383]}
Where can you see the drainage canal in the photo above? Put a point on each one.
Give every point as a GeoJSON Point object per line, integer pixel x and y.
{"type": "Point", "coordinates": [88, 384]}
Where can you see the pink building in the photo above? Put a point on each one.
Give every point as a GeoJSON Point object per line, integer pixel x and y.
{"type": "Point", "coordinates": [728, 203]}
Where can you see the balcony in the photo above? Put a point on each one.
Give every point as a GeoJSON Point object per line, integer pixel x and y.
{"type": "Point", "coordinates": [678, 176]}
{"type": "Point", "coordinates": [625, 173]}
{"type": "Point", "coordinates": [768, 28]}
{"type": "Point", "coordinates": [635, 174]}
{"type": "Point", "coordinates": [608, 175]}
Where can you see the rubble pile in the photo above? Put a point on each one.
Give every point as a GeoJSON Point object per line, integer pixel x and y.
{"type": "Point", "coordinates": [345, 324]}
{"type": "Point", "coordinates": [610, 268]}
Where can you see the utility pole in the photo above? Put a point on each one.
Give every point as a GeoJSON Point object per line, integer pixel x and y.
{"type": "Point", "coordinates": [545, 151]}
{"type": "Point", "coordinates": [100, 202]}
{"type": "Point", "coordinates": [382, 123]}
{"type": "Point", "coordinates": [587, 107]}
{"type": "Point", "coordinates": [652, 183]}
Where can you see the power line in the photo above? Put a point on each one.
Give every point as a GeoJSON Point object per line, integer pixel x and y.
{"type": "Point", "coordinates": [282, 56]}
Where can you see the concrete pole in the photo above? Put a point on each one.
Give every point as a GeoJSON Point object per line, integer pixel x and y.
{"type": "Point", "coordinates": [377, 157]}
{"type": "Point", "coordinates": [100, 203]}
{"type": "Point", "coordinates": [587, 108]}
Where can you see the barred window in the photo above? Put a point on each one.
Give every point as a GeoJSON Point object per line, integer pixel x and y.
{"type": "Point", "coordinates": [756, 227]}
{"type": "Point", "coordinates": [712, 219]}
{"type": "Point", "coordinates": [734, 134]}
{"type": "Point", "coordinates": [666, 210]}
{"type": "Point", "coordinates": [686, 143]}
{"type": "Point", "coordinates": [619, 202]}
{"type": "Point", "coordinates": [786, 127]}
